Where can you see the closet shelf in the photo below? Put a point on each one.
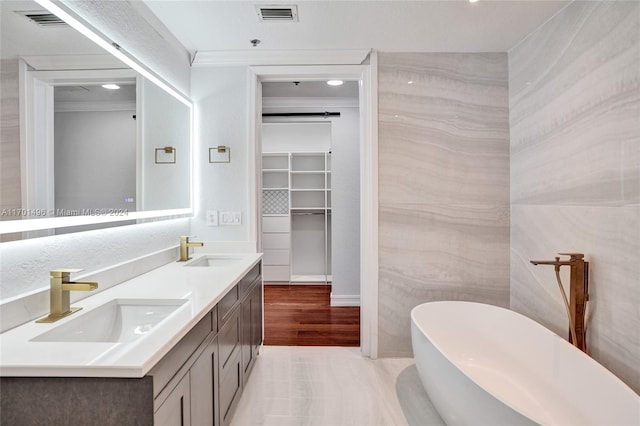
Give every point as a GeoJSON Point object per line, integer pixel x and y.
{"type": "Point", "coordinates": [275, 170]}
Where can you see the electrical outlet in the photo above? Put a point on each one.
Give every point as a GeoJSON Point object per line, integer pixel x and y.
{"type": "Point", "coordinates": [212, 217]}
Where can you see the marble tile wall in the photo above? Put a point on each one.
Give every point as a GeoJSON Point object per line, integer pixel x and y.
{"type": "Point", "coordinates": [574, 95]}
{"type": "Point", "coordinates": [443, 185]}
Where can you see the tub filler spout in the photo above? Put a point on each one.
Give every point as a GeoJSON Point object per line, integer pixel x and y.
{"type": "Point", "coordinates": [578, 294]}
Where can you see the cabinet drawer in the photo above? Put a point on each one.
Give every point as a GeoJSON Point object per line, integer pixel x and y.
{"type": "Point", "coordinates": [276, 273]}
{"type": "Point", "coordinates": [229, 338]}
{"type": "Point", "coordinates": [276, 224]}
{"type": "Point", "coordinates": [276, 257]}
{"type": "Point", "coordinates": [248, 280]}
{"type": "Point", "coordinates": [276, 241]}
{"type": "Point", "coordinates": [226, 305]}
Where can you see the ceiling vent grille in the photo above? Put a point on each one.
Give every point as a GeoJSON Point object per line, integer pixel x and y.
{"type": "Point", "coordinates": [42, 18]}
{"type": "Point", "coordinates": [270, 13]}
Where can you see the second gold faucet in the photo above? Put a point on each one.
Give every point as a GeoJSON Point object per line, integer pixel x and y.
{"type": "Point", "coordinates": [184, 248]}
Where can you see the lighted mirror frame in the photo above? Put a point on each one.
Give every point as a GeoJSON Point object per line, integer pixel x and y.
{"type": "Point", "coordinates": [15, 226]}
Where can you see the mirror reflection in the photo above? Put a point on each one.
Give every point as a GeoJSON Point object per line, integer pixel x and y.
{"type": "Point", "coordinates": [82, 134]}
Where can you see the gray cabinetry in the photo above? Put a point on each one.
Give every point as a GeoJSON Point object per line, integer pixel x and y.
{"type": "Point", "coordinates": [176, 408]}
{"type": "Point", "coordinates": [230, 372]}
{"type": "Point", "coordinates": [185, 379]}
{"type": "Point", "coordinates": [198, 382]}
{"type": "Point", "coordinates": [251, 327]}
{"type": "Point", "coordinates": [204, 387]}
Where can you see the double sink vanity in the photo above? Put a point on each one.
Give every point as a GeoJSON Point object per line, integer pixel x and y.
{"type": "Point", "coordinates": [173, 346]}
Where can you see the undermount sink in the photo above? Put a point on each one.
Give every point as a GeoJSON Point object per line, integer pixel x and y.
{"type": "Point", "coordinates": [120, 320]}
{"type": "Point", "coordinates": [215, 261]}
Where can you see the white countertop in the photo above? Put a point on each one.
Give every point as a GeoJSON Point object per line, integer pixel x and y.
{"type": "Point", "coordinates": [202, 287]}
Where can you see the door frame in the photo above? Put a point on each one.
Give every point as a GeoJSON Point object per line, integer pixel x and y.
{"type": "Point", "coordinates": [366, 75]}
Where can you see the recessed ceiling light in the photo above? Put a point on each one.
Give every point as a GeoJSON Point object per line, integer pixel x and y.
{"type": "Point", "coordinates": [410, 82]}
{"type": "Point", "coordinates": [473, 1]}
{"type": "Point", "coordinates": [111, 86]}
{"type": "Point", "coordinates": [335, 82]}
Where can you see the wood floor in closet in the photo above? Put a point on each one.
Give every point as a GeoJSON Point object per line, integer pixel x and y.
{"type": "Point", "coordinates": [301, 315]}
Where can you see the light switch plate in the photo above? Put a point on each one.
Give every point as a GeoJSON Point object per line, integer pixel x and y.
{"type": "Point", "coordinates": [212, 217]}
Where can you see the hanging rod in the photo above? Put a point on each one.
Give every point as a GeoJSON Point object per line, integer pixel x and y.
{"type": "Point", "coordinates": [307, 213]}
{"type": "Point", "coordinates": [301, 114]}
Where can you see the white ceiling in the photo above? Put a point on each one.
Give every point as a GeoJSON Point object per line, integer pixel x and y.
{"type": "Point", "coordinates": [385, 25]}
{"type": "Point", "coordinates": [309, 89]}
{"type": "Point", "coordinates": [95, 93]}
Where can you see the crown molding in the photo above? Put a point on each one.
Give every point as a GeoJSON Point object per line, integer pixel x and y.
{"type": "Point", "coordinates": [73, 62]}
{"type": "Point", "coordinates": [279, 57]}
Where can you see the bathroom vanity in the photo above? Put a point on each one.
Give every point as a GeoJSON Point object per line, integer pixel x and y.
{"type": "Point", "coordinates": [186, 364]}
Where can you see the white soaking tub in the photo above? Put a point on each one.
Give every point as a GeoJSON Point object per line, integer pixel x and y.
{"type": "Point", "coordinates": [485, 365]}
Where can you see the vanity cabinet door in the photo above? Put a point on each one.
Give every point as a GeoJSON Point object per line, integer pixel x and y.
{"type": "Point", "coordinates": [247, 331]}
{"type": "Point", "coordinates": [230, 365]}
{"type": "Point", "coordinates": [204, 387]}
{"type": "Point", "coordinates": [256, 318]}
{"type": "Point", "coordinates": [176, 409]}
{"type": "Point", "coordinates": [251, 327]}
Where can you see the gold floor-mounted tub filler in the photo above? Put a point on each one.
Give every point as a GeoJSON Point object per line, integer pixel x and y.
{"type": "Point", "coordinates": [578, 294]}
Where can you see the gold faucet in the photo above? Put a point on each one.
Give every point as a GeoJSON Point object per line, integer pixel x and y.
{"type": "Point", "coordinates": [578, 294]}
{"type": "Point", "coordinates": [184, 248]}
{"type": "Point", "coordinates": [59, 299]}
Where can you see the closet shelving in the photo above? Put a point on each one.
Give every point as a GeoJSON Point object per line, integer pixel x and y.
{"type": "Point", "coordinates": [276, 224]}
{"type": "Point", "coordinates": [305, 183]}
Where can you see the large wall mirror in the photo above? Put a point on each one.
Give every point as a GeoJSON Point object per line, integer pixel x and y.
{"type": "Point", "coordinates": [87, 141]}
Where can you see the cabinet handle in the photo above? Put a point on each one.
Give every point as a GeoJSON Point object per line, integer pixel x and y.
{"type": "Point", "coordinates": [182, 411]}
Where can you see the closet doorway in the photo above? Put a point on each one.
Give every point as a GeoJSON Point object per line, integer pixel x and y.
{"type": "Point", "coordinates": [309, 175]}
{"type": "Point", "coordinates": [365, 75]}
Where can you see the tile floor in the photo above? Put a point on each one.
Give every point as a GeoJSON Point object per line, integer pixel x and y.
{"type": "Point", "coordinates": [332, 386]}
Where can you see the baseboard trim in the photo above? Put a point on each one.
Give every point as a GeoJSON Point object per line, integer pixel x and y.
{"type": "Point", "coordinates": [345, 300]}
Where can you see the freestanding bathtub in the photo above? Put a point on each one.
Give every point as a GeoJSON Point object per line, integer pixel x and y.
{"type": "Point", "coordinates": [485, 365]}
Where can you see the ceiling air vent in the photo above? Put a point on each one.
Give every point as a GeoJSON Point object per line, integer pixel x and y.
{"type": "Point", "coordinates": [42, 17]}
{"type": "Point", "coordinates": [269, 13]}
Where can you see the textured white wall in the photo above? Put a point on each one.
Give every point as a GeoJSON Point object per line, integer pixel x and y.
{"type": "Point", "coordinates": [26, 264]}
{"type": "Point", "coordinates": [574, 91]}
{"type": "Point", "coordinates": [220, 96]}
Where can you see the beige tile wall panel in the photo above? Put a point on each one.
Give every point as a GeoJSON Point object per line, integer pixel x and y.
{"type": "Point", "coordinates": [575, 172]}
{"type": "Point", "coordinates": [444, 185]}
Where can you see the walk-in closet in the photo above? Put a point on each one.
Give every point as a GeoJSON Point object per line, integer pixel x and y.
{"type": "Point", "coordinates": [296, 210]}
{"type": "Point", "coordinates": [310, 205]}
